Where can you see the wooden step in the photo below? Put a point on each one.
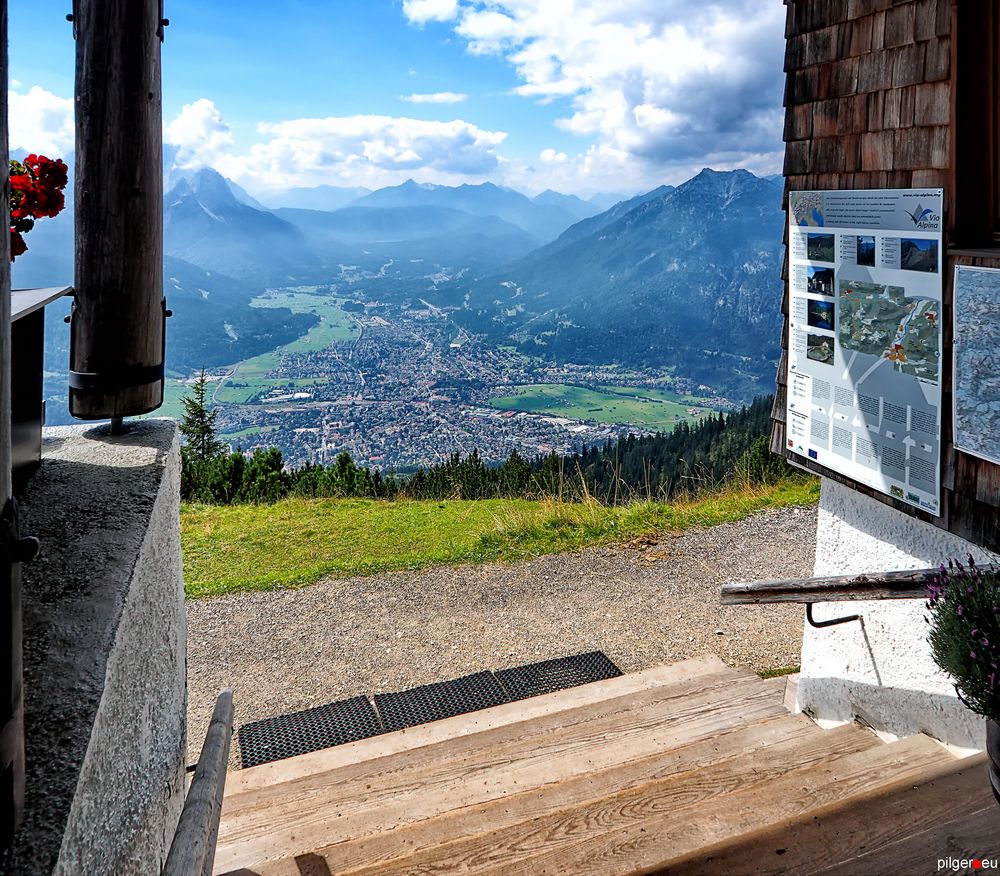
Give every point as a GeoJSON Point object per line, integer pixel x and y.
{"type": "Point", "coordinates": [889, 830]}
{"type": "Point", "coordinates": [655, 827]}
{"type": "Point", "coordinates": [314, 763]}
{"type": "Point", "coordinates": [506, 830]}
{"type": "Point", "coordinates": [280, 820]}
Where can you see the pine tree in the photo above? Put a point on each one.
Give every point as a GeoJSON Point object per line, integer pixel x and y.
{"type": "Point", "coordinates": [198, 423]}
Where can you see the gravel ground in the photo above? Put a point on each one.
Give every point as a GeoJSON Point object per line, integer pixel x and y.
{"type": "Point", "coordinates": [649, 602]}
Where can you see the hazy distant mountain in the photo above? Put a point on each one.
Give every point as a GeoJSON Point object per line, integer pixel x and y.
{"type": "Point", "coordinates": [243, 196]}
{"type": "Point", "coordinates": [438, 235]}
{"type": "Point", "coordinates": [317, 198]}
{"type": "Point", "coordinates": [204, 224]}
{"type": "Point", "coordinates": [606, 200]}
{"type": "Point", "coordinates": [577, 207]}
{"type": "Point", "coordinates": [687, 277]}
{"type": "Point", "coordinates": [586, 227]}
{"type": "Point", "coordinates": [543, 221]}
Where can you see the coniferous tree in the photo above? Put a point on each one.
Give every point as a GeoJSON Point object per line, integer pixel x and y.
{"type": "Point", "coordinates": [198, 423]}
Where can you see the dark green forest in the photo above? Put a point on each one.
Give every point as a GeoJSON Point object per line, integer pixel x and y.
{"type": "Point", "coordinates": [720, 448]}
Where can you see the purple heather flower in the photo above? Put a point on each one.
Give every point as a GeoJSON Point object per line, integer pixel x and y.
{"type": "Point", "coordinates": [972, 654]}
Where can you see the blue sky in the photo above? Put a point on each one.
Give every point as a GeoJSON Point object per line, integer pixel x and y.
{"type": "Point", "coordinates": [577, 95]}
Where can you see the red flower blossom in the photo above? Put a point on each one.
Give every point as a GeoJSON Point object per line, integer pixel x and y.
{"type": "Point", "coordinates": [36, 192]}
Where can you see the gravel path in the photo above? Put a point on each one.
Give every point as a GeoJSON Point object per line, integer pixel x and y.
{"type": "Point", "coordinates": [642, 604]}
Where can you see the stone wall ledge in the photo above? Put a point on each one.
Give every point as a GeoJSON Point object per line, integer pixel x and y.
{"type": "Point", "coordinates": [104, 653]}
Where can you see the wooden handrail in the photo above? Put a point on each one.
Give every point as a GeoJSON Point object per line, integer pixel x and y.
{"type": "Point", "coordinates": [192, 853]}
{"type": "Point", "coordinates": [910, 584]}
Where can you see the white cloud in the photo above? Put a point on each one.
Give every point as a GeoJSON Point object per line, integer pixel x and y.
{"type": "Point", "coordinates": [421, 11]}
{"type": "Point", "coordinates": [40, 122]}
{"type": "Point", "coordinates": [550, 156]}
{"type": "Point", "coordinates": [436, 97]}
{"type": "Point", "coordinates": [200, 135]}
{"type": "Point", "coordinates": [365, 150]}
{"type": "Point", "coordinates": [661, 87]}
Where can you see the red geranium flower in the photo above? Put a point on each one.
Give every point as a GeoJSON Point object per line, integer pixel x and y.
{"type": "Point", "coordinates": [36, 191]}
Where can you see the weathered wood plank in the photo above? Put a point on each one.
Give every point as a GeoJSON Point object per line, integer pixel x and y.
{"type": "Point", "coordinates": [680, 789]}
{"type": "Point", "coordinates": [908, 64]}
{"type": "Point", "coordinates": [843, 77]}
{"type": "Point", "coordinates": [932, 105]}
{"type": "Point", "coordinates": [873, 830]}
{"type": "Point", "coordinates": [899, 25]}
{"type": "Point", "coordinates": [325, 762]}
{"type": "Point", "coordinates": [192, 852]}
{"type": "Point", "coordinates": [648, 833]}
{"type": "Point", "coordinates": [937, 64]}
{"type": "Point", "coordinates": [550, 742]}
{"type": "Point", "coordinates": [907, 584]}
{"type": "Point", "coordinates": [877, 151]}
{"type": "Point", "coordinates": [875, 71]}
{"type": "Point", "coordinates": [975, 832]}
{"type": "Point", "coordinates": [370, 797]}
{"type": "Point", "coordinates": [852, 114]}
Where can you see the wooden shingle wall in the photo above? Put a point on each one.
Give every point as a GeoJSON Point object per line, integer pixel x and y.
{"type": "Point", "coordinates": [869, 104]}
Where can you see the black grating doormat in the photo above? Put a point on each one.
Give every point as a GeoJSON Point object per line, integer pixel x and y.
{"type": "Point", "coordinates": [440, 700]}
{"type": "Point", "coordinates": [284, 736]}
{"type": "Point", "coordinates": [552, 675]}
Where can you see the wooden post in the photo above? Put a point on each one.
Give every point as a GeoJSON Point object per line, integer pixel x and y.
{"type": "Point", "coordinates": [11, 698]}
{"type": "Point", "coordinates": [5, 483]}
{"type": "Point", "coordinates": [117, 326]}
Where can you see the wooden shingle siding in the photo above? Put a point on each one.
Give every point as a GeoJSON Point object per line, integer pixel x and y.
{"type": "Point", "coordinates": [870, 103]}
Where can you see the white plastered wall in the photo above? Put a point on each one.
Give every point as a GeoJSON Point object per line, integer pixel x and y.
{"type": "Point", "coordinates": [880, 670]}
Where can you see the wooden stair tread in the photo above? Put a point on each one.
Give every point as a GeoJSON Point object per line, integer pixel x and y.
{"type": "Point", "coordinates": [680, 772]}
{"type": "Point", "coordinates": [503, 830]}
{"type": "Point", "coordinates": [955, 816]}
{"type": "Point", "coordinates": [830, 836]}
{"type": "Point", "coordinates": [612, 713]}
{"type": "Point", "coordinates": [644, 830]}
{"type": "Point", "coordinates": [255, 778]}
{"type": "Point", "coordinates": [381, 793]}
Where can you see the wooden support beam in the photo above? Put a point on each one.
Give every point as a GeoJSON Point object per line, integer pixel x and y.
{"type": "Point", "coordinates": [192, 853]}
{"type": "Point", "coordinates": [5, 478]}
{"type": "Point", "coordinates": [910, 584]}
{"type": "Point", "coordinates": [117, 336]}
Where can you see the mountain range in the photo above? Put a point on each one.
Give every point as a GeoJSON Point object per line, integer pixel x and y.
{"type": "Point", "coordinates": [685, 277]}
{"type": "Point", "coordinates": [682, 277]}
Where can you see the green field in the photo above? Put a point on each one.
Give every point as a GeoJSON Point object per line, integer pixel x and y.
{"type": "Point", "coordinates": [298, 541]}
{"type": "Point", "coordinates": [334, 324]}
{"type": "Point", "coordinates": [652, 408]}
{"type": "Point", "coordinates": [240, 389]}
{"type": "Point", "coordinates": [250, 377]}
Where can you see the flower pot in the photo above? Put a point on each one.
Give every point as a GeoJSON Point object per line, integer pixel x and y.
{"type": "Point", "coordinates": [993, 750]}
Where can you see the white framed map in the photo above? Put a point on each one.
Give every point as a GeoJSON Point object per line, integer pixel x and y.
{"type": "Point", "coordinates": [864, 337]}
{"type": "Point", "coordinates": [977, 362]}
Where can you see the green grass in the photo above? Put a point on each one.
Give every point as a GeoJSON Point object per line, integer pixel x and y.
{"type": "Point", "coordinates": [298, 541]}
{"type": "Point", "coordinates": [173, 392]}
{"type": "Point", "coordinates": [334, 324]}
{"type": "Point", "coordinates": [652, 408]}
{"type": "Point", "coordinates": [779, 672]}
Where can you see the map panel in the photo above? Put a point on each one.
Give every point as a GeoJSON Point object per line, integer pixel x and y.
{"type": "Point", "coordinates": [977, 362]}
{"type": "Point", "coordinates": [883, 321]}
{"type": "Point", "coordinates": [864, 339]}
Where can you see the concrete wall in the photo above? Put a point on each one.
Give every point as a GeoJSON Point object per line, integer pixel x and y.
{"type": "Point", "coordinates": [105, 654]}
{"type": "Point", "coordinates": [881, 669]}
